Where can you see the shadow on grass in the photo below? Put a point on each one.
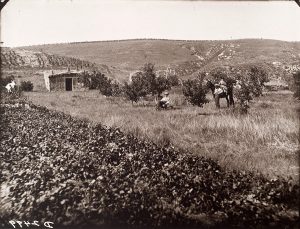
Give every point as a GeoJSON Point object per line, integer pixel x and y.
{"type": "Point", "coordinates": [207, 114]}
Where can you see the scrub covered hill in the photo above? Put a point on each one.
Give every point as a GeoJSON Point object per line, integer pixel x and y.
{"type": "Point", "coordinates": [184, 57]}
{"type": "Point", "coordinates": [29, 65]}
{"type": "Point", "coordinates": [21, 58]}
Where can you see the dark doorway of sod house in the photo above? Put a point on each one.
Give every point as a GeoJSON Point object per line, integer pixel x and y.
{"type": "Point", "coordinates": [68, 84]}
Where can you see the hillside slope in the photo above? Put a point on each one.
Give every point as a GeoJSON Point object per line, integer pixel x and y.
{"type": "Point", "coordinates": [129, 54]}
{"type": "Point", "coordinates": [20, 58]}
{"type": "Point", "coordinates": [23, 60]}
{"type": "Point", "coordinates": [185, 57]}
{"type": "Point", "coordinates": [120, 59]}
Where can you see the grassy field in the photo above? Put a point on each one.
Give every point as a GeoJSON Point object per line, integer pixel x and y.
{"type": "Point", "coordinates": [265, 141]}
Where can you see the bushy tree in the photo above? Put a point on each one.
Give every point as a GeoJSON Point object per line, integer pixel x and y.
{"type": "Point", "coordinates": [148, 72]}
{"type": "Point", "coordinates": [85, 78]}
{"type": "Point", "coordinates": [173, 80]}
{"type": "Point", "coordinates": [131, 93]}
{"type": "Point", "coordinates": [243, 95]}
{"type": "Point", "coordinates": [26, 86]}
{"type": "Point", "coordinates": [195, 92]}
{"type": "Point", "coordinates": [105, 86]}
{"type": "Point", "coordinates": [136, 89]}
{"type": "Point", "coordinates": [92, 80]}
{"type": "Point", "coordinates": [256, 77]}
{"type": "Point", "coordinates": [147, 82]}
{"type": "Point", "coordinates": [162, 84]}
{"type": "Point", "coordinates": [218, 73]}
{"type": "Point", "coordinates": [99, 81]}
{"type": "Point", "coordinates": [253, 75]}
{"type": "Point", "coordinates": [296, 85]}
{"type": "Point", "coordinates": [117, 89]}
{"type": "Point", "coordinates": [222, 73]}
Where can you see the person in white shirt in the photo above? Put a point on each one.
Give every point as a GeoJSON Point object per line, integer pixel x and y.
{"type": "Point", "coordinates": [165, 101]}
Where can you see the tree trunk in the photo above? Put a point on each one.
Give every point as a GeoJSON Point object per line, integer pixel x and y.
{"type": "Point", "coordinates": [217, 101]}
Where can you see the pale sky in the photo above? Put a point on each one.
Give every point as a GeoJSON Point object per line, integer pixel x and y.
{"type": "Point", "coordinates": [29, 22]}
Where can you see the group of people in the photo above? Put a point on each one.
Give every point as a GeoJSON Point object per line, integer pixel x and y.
{"type": "Point", "coordinates": [220, 87]}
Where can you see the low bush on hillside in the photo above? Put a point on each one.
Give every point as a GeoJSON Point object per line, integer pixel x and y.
{"type": "Point", "coordinates": [60, 168]}
{"type": "Point", "coordinates": [296, 85]}
{"type": "Point", "coordinates": [105, 85]}
{"type": "Point", "coordinates": [255, 79]}
{"type": "Point", "coordinates": [221, 73]}
{"type": "Point", "coordinates": [242, 93]}
{"type": "Point", "coordinates": [173, 80]}
{"type": "Point", "coordinates": [136, 89]}
{"type": "Point", "coordinates": [195, 92]}
{"type": "Point", "coordinates": [146, 82]}
{"type": "Point", "coordinates": [26, 86]}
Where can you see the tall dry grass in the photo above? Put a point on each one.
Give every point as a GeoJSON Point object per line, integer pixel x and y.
{"type": "Point", "coordinates": [265, 141]}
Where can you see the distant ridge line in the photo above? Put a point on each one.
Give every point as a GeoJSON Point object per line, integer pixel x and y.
{"type": "Point", "coordinates": [151, 39]}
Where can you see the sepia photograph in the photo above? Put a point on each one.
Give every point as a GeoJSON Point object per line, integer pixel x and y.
{"type": "Point", "coordinates": [149, 114]}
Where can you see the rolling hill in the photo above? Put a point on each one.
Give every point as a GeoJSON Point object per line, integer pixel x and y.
{"type": "Point", "coordinates": [184, 57]}
{"type": "Point", "coordinates": [25, 63]}
{"type": "Point", "coordinates": [17, 59]}
{"type": "Point", "coordinates": [21, 58]}
{"type": "Point", "coordinates": [29, 65]}
{"type": "Point", "coordinates": [119, 59]}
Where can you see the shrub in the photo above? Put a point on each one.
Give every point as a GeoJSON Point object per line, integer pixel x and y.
{"type": "Point", "coordinates": [218, 74]}
{"type": "Point", "coordinates": [26, 86]}
{"type": "Point", "coordinates": [296, 85]}
{"type": "Point", "coordinates": [105, 86]}
{"type": "Point", "coordinates": [146, 82]}
{"type": "Point", "coordinates": [86, 79]}
{"type": "Point", "coordinates": [117, 89]}
{"type": "Point", "coordinates": [149, 75]}
{"type": "Point", "coordinates": [154, 84]}
{"type": "Point", "coordinates": [221, 73]}
{"type": "Point", "coordinates": [162, 84]}
{"type": "Point", "coordinates": [94, 80]}
{"type": "Point", "coordinates": [136, 89]}
{"type": "Point", "coordinates": [173, 80]}
{"type": "Point", "coordinates": [195, 92]}
{"type": "Point", "coordinates": [109, 87]}
{"type": "Point", "coordinates": [243, 95]}
{"type": "Point", "coordinates": [99, 81]}
{"type": "Point", "coordinates": [254, 76]}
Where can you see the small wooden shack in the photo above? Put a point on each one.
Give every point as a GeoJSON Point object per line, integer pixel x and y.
{"type": "Point", "coordinates": [64, 80]}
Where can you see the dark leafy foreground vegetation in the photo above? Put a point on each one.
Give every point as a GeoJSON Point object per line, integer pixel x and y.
{"type": "Point", "coordinates": [68, 171]}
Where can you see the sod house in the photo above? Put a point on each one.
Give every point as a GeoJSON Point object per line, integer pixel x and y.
{"type": "Point", "coordinates": [64, 80]}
